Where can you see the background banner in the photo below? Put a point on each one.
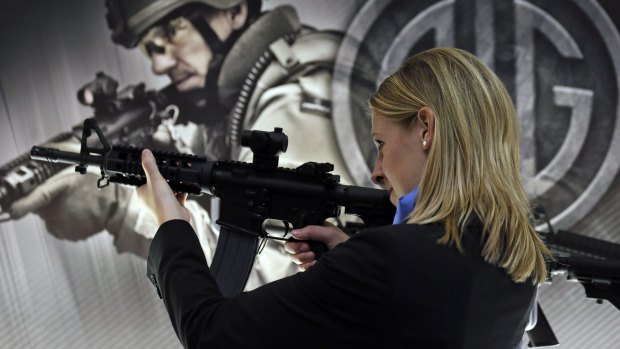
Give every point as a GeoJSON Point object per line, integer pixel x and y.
{"type": "Point", "coordinates": [560, 61]}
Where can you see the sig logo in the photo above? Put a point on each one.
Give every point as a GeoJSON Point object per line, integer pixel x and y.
{"type": "Point", "coordinates": [560, 61]}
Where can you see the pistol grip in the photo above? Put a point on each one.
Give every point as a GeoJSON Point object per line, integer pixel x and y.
{"type": "Point", "coordinates": [318, 248]}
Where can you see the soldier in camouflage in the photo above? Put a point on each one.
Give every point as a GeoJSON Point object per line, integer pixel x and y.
{"type": "Point", "coordinates": [232, 68]}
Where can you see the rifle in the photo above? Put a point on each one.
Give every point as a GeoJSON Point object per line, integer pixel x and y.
{"type": "Point", "coordinates": [597, 273]}
{"type": "Point", "coordinates": [133, 113]}
{"type": "Point", "coordinates": [594, 263]}
{"type": "Point", "coordinates": [258, 200]}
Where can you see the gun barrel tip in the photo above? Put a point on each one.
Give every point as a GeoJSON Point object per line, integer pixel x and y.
{"type": "Point", "coordinates": [36, 150]}
{"type": "Point", "coordinates": [41, 153]}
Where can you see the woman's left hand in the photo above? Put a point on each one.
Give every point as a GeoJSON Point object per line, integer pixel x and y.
{"type": "Point", "coordinates": [158, 196]}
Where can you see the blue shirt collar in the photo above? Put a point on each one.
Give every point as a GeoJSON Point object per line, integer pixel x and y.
{"type": "Point", "coordinates": [405, 206]}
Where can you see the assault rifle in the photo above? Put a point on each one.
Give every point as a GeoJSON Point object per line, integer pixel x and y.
{"type": "Point", "coordinates": [594, 263]}
{"type": "Point", "coordinates": [258, 199]}
{"type": "Point", "coordinates": [133, 113]}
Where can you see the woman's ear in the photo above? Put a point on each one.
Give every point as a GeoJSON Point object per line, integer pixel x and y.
{"type": "Point", "coordinates": [426, 121]}
{"type": "Point", "coordinates": [238, 15]}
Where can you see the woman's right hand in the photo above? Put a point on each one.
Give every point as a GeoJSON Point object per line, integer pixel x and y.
{"type": "Point", "coordinates": [300, 251]}
{"type": "Point", "coordinates": [157, 195]}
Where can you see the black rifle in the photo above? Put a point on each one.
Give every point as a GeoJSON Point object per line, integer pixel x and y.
{"type": "Point", "coordinates": [594, 263]}
{"type": "Point", "coordinates": [133, 113]}
{"type": "Point", "coordinates": [258, 199]}
{"type": "Point", "coordinates": [588, 261]}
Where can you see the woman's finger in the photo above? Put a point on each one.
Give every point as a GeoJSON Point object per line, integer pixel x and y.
{"type": "Point", "coordinates": [181, 198]}
{"type": "Point", "coordinates": [307, 266]}
{"type": "Point", "coordinates": [303, 258]}
{"type": "Point", "coordinates": [296, 247]}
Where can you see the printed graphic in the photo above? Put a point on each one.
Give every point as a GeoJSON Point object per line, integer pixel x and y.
{"type": "Point", "coordinates": [557, 62]}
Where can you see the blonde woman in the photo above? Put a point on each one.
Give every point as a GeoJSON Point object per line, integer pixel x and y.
{"type": "Point", "coordinates": [458, 270]}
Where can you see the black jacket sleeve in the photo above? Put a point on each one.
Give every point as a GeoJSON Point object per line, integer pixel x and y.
{"type": "Point", "coordinates": [340, 302]}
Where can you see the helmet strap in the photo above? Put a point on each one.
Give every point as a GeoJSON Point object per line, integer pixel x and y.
{"type": "Point", "coordinates": [219, 49]}
{"type": "Point", "coordinates": [214, 109]}
{"type": "Point", "coordinates": [208, 34]}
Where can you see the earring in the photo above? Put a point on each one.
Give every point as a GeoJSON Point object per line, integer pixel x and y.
{"type": "Point", "coordinates": [424, 144]}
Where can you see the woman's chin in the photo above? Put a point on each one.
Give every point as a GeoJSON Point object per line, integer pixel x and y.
{"type": "Point", "coordinates": [393, 198]}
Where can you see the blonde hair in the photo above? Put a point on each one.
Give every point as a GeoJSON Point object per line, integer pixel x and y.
{"type": "Point", "coordinates": [473, 168]}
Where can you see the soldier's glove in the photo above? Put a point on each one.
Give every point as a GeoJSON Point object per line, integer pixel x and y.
{"type": "Point", "coordinates": [73, 208]}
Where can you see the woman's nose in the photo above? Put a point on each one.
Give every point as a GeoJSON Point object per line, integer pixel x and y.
{"type": "Point", "coordinates": [377, 175]}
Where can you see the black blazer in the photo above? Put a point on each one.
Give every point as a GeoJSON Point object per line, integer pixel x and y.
{"type": "Point", "coordinates": [391, 287]}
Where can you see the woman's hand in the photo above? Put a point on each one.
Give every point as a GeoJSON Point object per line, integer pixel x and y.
{"type": "Point", "coordinates": [300, 252]}
{"type": "Point", "coordinates": [158, 196]}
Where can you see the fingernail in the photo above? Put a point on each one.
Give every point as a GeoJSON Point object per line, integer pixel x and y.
{"type": "Point", "coordinates": [296, 233]}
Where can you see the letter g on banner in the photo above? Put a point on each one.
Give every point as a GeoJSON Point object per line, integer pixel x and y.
{"type": "Point", "coordinates": [560, 61]}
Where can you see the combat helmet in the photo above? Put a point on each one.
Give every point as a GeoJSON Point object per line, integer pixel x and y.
{"type": "Point", "coordinates": [130, 19]}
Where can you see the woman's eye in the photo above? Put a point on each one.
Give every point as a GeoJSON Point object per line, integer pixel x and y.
{"type": "Point", "coordinates": [379, 144]}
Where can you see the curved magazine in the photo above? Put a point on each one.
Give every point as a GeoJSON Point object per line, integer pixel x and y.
{"type": "Point", "coordinates": [234, 257]}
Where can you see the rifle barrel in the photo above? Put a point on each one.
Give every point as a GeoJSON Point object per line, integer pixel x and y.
{"type": "Point", "coordinates": [64, 157]}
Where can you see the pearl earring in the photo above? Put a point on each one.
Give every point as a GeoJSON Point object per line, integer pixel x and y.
{"type": "Point", "coordinates": [424, 144]}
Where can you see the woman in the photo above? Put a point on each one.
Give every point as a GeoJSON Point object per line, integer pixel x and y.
{"type": "Point", "coordinates": [461, 273]}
